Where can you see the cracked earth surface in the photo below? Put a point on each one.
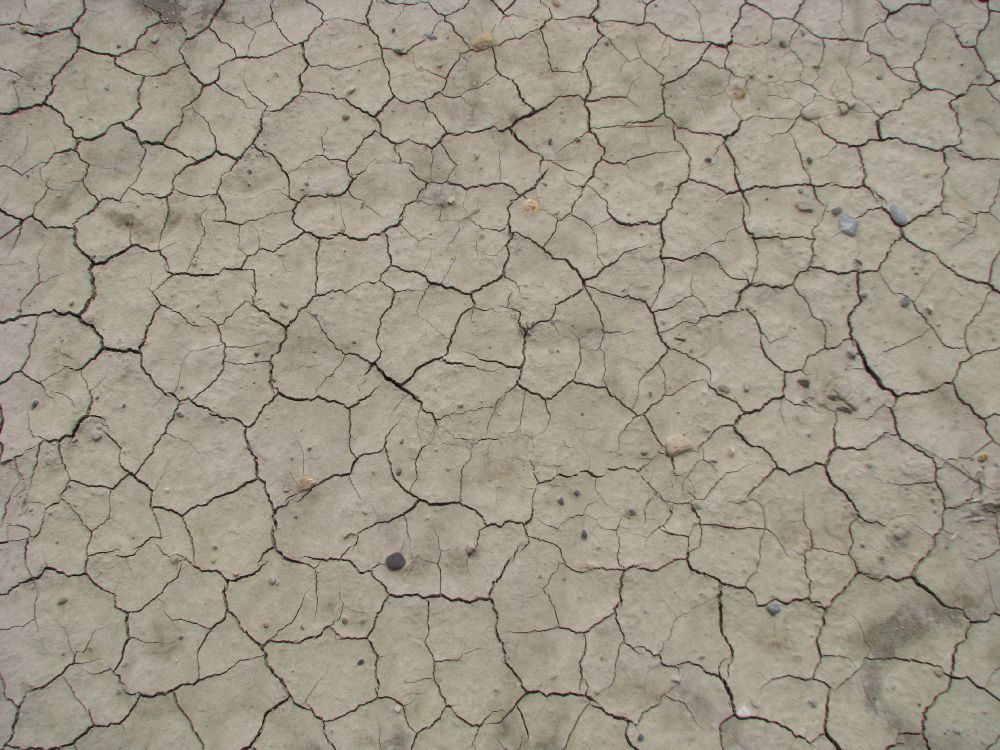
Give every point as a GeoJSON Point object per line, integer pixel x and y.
{"type": "Point", "coordinates": [551, 298]}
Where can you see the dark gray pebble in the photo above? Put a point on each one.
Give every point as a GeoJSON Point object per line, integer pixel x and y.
{"type": "Point", "coordinates": [561, 501]}
{"type": "Point", "coordinates": [431, 36]}
{"type": "Point", "coordinates": [584, 535]}
{"type": "Point", "coordinates": [773, 608]}
{"type": "Point", "coordinates": [904, 301]}
{"type": "Point", "coordinates": [395, 561]}
{"type": "Point", "coordinates": [836, 210]}
{"type": "Point", "coordinates": [804, 382]}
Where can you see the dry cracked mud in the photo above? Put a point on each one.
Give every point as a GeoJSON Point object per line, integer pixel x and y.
{"type": "Point", "coordinates": [500, 374]}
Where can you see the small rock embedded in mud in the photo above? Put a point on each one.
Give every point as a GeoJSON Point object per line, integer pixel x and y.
{"type": "Point", "coordinates": [305, 483]}
{"type": "Point", "coordinates": [470, 549]}
{"type": "Point", "coordinates": [395, 561]}
{"type": "Point", "coordinates": [898, 215]}
{"type": "Point", "coordinates": [904, 301]}
{"type": "Point", "coordinates": [836, 210]}
{"type": "Point", "coordinates": [678, 444]}
{"type": "Point", "coordinates": [847, 224]}
{"type": "Point", "coordinates": [804, 382]}
{"type": "Point", "coordinates": [481, 42]}
{"type": "Point", "coordinates": [531, 205]}
{"type": "Point", "coordinates": [806, 208]}
{"type": "Point", "coordinates": [584, 535]}
{"type": "Point", "coordinates": [743, 712]}
{"type": "Point", "coordinates": [430, 35]}
{"type": "Point", "coordinates": [773, 608]}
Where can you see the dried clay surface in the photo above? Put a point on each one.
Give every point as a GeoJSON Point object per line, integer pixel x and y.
{"type": "Point", "coordinates": [499, 374]}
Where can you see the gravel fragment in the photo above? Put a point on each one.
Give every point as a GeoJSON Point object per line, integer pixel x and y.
{"type": "Point", "coordinates": [773, 608]}
{"type": "Point", "coordinates": [675, 445]}
{"type": "Point", "coordinates": [898, 215]}
{"type": "Point", "coordinates": [482, 41]}
{"type": "Point", "coordinates": [847, 224]}
{"type": "Point", "coordinates": [395, 561]}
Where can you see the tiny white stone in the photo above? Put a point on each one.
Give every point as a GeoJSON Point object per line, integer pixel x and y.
{"type": "Point", "coordinates": [743, 712]}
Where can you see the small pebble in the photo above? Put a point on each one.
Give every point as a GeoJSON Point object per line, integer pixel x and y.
{"type": "Point", "coordinates": [399, 472]}
{"type": "Point", "coordinates": [836, 210]}
{"type": "Point", "coordinates": [96, 436]}
{"type": "Point", "coordinates": [34, 404]}
{"type": "Point", "coordinates": [451, 200]}
{"type": "Point", "coordinates": [743, 712]}
{"type": "Point", "coordinates": [397, 708]}
{"type": "Point", "coordinates": [561, 501]}
{"type": "Point", "coordinates": [675, 445]}
{"type": "Point", "coordinates": [640, 738]}
{"type": "Point", "coordinates": [431, 36]}
{"type": "Point", "coordinates": [583, 535]}
{"type": "Point", "coordinates": [482, 41]}
{"type": "Point", "coordinates": [61, 601]}
{"type": "Point", "coordinates": [395, 561]}
{"type": "Point", "coordinates": [305, 483]}
{"type": "Point", "coordinates": [631, 512]}
{"type": "Point", "coordinates": [576, 493]}
{"type": "Point", "coordinates": [361, 662]}
{"type": "Point", "coordinates": [351, 90]}
{"type": "Point", "coordinates": [806, 208]}
{"type": "Point", "coordinates": [898, 215]}
{"type": "Point", "coordinates": [904, 301]}
{"type": "Point", "coordinates": [773, 608]}
{"type": "Point", "coordinates": [470, 549]}
{"type": "Point", "coordinates": [804, 382]}
{"type": "Point", "coordinates": [848, 225]}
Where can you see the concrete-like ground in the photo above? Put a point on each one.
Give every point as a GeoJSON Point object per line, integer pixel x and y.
{"type": "Point", "coordinates": [563, 301]}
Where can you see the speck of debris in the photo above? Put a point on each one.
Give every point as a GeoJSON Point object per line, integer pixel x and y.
{"type": "Point", "coordinates": [773, 608]}
{"type": "Point", "coordinates": [584, 535]}
{"type": "Point", "coordinates": [360, 662]}
{"type": "Point", "coordinates": [561, 501]}
{"type": "Point", "coordinates": [431, 36]}
{"type": "Point", "coordinates": [576, 493]}
{"type": "Point", "coordinates": [399, 472]}
{"type": "Point", "coordinates": [395, 561]}
{"type": "Point", "coordinates": [809, 160]}
{"type": "Point", "coordinates": [631, 511]}
{"type": "Point", "coordinates": [640, 738]}
{"type": "Point", "coordinates": [61, 601]}
{"type": "Point", "coordinates": [904, 301]}
{"type": "Point", "coordinates": [34, 404]}
{"type": "Point", "coordinates": [852, 355]}
{"type": "Point", "coordinates": [804, 382]}
{"type": "Point", "coordinates": [722, 388]}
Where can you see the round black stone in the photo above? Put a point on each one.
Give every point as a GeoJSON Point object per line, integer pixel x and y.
{"type": "Point", "coordinates": [395, 561]}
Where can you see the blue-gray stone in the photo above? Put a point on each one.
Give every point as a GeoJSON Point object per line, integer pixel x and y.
{"type": "Point", "coordinates": [773, 608]}
{"type": "Point", "coordinates": [898, 215]}
{"type": "Point", "coordinates": [847, 224]}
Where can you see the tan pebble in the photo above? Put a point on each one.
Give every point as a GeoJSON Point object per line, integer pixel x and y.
{"type": "Point", "coordinates": [737, 93]}
{"type": "Point", "coordinates": [982, 458]}
{"type": "Point", "coordinates": [483, 41]}
{"type": "Point", "coordinates": [470, 549]}
{"type": "Point", "coordinates": [678, 444]}
{"type": "Point", "coordinates": [451, 200]}
{"type": "Point", "coordinates": [531, 205]}
{"type": "Point", "coordinates": [305, 483]}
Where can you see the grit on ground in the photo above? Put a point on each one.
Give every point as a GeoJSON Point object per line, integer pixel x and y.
{"type": "Point", "coordinates": [499, 374]}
